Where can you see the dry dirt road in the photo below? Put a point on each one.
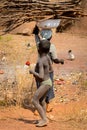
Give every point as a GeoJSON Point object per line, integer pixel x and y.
{"type": "Point", "coordinates": [70, 103]}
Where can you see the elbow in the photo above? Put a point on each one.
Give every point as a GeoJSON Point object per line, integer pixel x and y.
{"type": "Point", "coordinates": [41, 79]}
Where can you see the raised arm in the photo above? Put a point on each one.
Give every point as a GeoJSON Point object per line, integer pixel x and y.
{"type": "Point", "coordinates": [36, 33]}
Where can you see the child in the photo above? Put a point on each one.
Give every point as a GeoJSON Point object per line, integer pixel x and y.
{"type": "Point", "coordinates": [41, 74]}
{"type": "Point", "coordinates": [47, 34]}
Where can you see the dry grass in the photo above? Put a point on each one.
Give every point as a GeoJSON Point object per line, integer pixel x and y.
{"type": "Point", "coordinates": [22, 91]}
{"type": "Point", "coordinates": [25, 85]}
{"type": "Point", "coordinates": [16, 53]}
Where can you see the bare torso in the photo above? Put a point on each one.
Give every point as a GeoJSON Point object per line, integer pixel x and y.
{"type": "Point", "coordinates": [43, 67]}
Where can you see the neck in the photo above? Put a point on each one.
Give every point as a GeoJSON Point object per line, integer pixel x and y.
{"type": "Point", "coordinates": [44, 54]}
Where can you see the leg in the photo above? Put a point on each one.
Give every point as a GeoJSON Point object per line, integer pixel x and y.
{"type": "Point", "coordinates": [43, 103]}
{"type": "Point", "coordinates": [41, 91]}
{"type": "Point", "coordinates": [37, 85]}
{"type": "Point", "coordinates": [50, 94]}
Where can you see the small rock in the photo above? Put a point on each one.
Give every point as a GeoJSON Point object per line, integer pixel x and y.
{"type": "Point", "coordinates": [1, 72]}
{"type": "Point", "coordinates": [4, 58]}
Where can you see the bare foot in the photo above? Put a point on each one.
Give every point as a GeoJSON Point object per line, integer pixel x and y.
{"type": "Point", "coordinates": [42, 123]}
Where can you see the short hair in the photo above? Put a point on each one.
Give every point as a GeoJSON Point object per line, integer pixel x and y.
{"type": "Point", "coordinates": [44, 46]}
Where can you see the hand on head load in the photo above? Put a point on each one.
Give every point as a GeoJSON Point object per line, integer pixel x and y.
{"type": "Point", "coordinates": [36, 30]}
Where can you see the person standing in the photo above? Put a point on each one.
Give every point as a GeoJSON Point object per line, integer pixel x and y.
{"type": "Point", "coordinates": [41, 74]}
{"type": "Point", "coordinates": [47, 34]}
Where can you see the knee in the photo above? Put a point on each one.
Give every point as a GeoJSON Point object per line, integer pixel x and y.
{"type": "Point", "coordinates": [43, 102]}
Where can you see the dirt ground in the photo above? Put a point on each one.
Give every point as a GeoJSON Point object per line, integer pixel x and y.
{"type": "Point", "coordinates": [70, 103]}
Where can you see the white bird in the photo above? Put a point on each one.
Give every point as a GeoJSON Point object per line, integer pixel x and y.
{"type": "Point", "coordinates": [71, 55]}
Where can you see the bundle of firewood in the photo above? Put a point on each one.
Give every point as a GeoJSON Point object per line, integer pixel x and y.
{"type": "Point", "coordinates": [16, 12]}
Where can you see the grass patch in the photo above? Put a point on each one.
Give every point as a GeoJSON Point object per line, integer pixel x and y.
{"type": "Point", "coordinates": [1, 38]}
{"type": "Point", "coordinates": [6, 38]}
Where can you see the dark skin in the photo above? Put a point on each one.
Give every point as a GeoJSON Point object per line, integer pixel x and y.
{"type": "Point", "coordinates": [50, 93]}
{"type": "Point", "coordinates": [56, 61]}
{"type": "Point", "coordinates": [41, 73]}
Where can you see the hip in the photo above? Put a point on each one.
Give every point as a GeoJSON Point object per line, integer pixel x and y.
{"type": "Point", "coordinates": [47, 82]}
